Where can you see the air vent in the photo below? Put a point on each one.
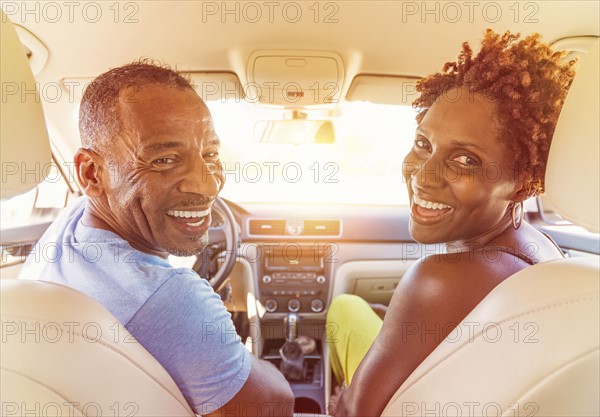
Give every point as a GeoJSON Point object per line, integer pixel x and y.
{"type": "Point", "coordinates": [321, 228]}
{"type": "Point", "coordinates": [267, 227]}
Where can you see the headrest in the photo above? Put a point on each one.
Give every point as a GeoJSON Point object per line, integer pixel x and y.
{"type": "Point", "coordinates": [572, 174]}
{"type": "Point", "coordinates": [25, 149]}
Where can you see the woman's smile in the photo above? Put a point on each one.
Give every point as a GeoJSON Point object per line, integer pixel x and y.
{"type": "Point", "coordinates": [427, 212]}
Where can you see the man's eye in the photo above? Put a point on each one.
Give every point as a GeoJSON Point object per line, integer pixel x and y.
{"type": "Point", "coordinates": [467, 160]}
{"type": "Point", "coordinates": [212, 155]}
{"type": "Point", "coordinates": [165, 161]}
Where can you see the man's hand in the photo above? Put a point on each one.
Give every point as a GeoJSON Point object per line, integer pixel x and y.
{"type": "Point", "coordinates": [265, 393]}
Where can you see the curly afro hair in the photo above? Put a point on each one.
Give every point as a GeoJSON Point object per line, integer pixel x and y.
{"type": "Point", "coordinates": [526, 80]}
{"type": "Point", "coordinates": [99, 113]}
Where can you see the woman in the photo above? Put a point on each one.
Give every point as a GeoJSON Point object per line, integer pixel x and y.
{"type": "Point", "coordinates": [480, 150]}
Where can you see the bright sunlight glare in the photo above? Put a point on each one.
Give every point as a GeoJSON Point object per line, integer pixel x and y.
{"type": "Point", "coordinates": [363, 166]}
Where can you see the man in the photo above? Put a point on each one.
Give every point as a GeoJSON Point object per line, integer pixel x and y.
{"type": "Point", "coordinates": [150, 171]}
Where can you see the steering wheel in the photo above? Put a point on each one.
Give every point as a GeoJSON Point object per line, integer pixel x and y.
{"type": "Point", "coordinates": [223, 228]}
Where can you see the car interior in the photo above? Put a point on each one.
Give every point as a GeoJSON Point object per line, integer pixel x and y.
{"type": "Point", "coordinates": [312, 103]}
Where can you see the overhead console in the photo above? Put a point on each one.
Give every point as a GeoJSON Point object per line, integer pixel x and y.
{"type": "Point", "coordinates": [295, 78]}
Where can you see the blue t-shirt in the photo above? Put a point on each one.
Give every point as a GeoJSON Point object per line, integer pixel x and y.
{"type": "Point", "coordinates": [171, 311]}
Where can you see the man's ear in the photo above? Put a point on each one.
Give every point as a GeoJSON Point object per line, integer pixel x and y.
{"type": "Point", "coordinates": [89, 172]}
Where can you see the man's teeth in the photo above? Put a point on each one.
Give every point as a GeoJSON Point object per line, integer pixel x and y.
{"type": "Point", "coordinates": [197, 223]}
{"type": "Point", "coordinates": [185, 214]}
{"type": "Point", "coordinates": [188, 214]}
{"type": "Point", "coordinates": [429, 204]}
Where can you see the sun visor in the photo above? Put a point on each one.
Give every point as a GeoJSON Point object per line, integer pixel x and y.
{"type": "Point", "coordinates": [295, 78]}
{"type": "Point", "coordinates": [210, 86]}
{"type": "Point", "coordinates": [217, 86]}
{"type": "Point", "coordinates": [383, 89]}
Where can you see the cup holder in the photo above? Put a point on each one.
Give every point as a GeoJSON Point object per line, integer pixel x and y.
{"type": "Point", "coordinates": [307, 405]}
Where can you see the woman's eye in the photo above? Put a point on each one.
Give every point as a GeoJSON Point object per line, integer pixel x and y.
{"type": "Point", "coordinates": [467, 160]}
{"type": "Point", "coordinates": [422, 144]}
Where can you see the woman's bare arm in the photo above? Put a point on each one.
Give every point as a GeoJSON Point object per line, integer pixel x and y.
{"type": "Point", "coordinates": [431, 299]}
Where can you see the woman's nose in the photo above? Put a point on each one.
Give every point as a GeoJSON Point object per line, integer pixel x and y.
{"type": "Point", "coordinates": [430, 173]}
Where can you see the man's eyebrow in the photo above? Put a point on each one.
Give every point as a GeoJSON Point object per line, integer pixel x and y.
{"type": "Point", "coordinates": [159, 146]}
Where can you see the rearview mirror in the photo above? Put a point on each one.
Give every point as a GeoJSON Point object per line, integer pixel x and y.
{"type": "Point", "coordinates": [295, 131]}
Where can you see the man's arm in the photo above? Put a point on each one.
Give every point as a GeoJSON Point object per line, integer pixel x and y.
{"type": "Point", "coordinates": [186, 327]}
{"type": "Point", "coordinates": [265, 393]}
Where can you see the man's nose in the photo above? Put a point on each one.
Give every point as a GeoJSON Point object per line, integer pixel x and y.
{"type": "Point", "coordinates": [201, 178]}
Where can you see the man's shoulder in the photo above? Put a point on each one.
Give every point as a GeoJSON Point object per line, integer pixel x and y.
{"type": "Point", "coordinates": [102, 265]}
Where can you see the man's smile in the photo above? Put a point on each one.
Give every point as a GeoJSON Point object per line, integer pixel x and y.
{"type": "Point", "coordinates": [193, 219]}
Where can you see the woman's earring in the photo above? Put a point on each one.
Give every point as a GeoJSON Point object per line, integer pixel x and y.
{"type": "Point", "coordinates": [517, 214]}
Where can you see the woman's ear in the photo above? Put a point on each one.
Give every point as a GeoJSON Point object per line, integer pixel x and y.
{"type": "Point", "coordinates": [89, 172]}
{"type": "Point", "coordinates": [520, 192]}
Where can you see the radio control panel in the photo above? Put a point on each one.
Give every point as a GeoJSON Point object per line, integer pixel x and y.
{"type": "Point", "coordinates": [295, 283]}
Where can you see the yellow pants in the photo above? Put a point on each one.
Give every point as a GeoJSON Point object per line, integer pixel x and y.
{"type": "Point", "coordinates": [352, 326]}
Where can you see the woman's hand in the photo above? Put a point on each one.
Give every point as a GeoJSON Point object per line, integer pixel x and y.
{"type": "Point", "coordinates": [379, 309]}
{"type": "Point", "coordinates": [334, 401]}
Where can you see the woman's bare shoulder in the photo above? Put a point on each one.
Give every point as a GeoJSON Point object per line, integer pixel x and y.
{"type": "Point", "coordinates": [468, 273]}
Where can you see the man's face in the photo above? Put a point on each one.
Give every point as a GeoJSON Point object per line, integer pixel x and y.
{"type": "Point", "coordinates": [163, 171]}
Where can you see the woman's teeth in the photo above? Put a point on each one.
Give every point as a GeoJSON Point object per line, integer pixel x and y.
{"type": "Point", "coordinates": [429, 204]}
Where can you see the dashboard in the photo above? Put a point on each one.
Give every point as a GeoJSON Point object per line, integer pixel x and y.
{"type": "Point", "coordinates": [296, 252]}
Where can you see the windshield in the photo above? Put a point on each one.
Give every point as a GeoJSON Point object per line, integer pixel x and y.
{"type": "Point", "coordinates": [362, 166]}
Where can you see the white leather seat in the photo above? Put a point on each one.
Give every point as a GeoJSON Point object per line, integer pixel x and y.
{"type": "Point", "coordinates": [62, 353]}
{"type": "Point", "coordinates": [531, 347]}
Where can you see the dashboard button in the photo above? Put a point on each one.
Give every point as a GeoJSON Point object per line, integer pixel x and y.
{"type": "Point", "coordinates": [294, 305]}
{"type": "Point", "coordinates": [271, 305]}
{"type": "Point", "coordinates": [266, 279]}
{"type": "Point", "coordinates": [321, 279]}
{"type": "Point", "coordinates": [316, 305]}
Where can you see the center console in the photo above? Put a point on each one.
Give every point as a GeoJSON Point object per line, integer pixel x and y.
{"type": "Point", "coordinates": [293, 288]}
{"type": "Point", "coordinates": [294, 278]}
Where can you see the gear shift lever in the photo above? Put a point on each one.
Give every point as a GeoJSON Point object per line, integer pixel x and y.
{"type": "Point", "coordinates": [292, 358]}
{"type": "Point", "coordinates": [290, 324]}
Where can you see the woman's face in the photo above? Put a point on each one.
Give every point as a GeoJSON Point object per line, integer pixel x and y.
{"type": "Point", "coordinates": [458, 173]}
